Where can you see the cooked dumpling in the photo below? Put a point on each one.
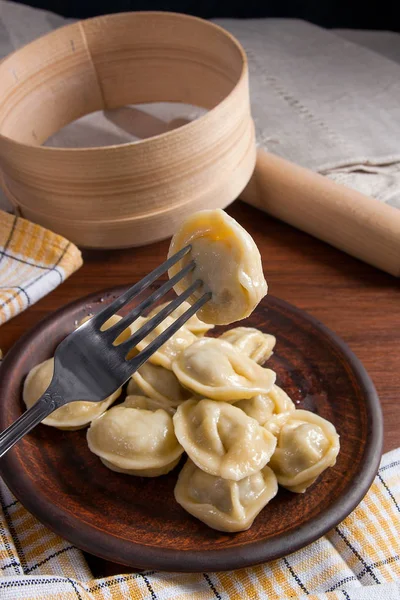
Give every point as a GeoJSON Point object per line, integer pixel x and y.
{"type": "Point", "coordinates": [282, 402]}
{"type": "Point", "coordinates": [74, 415]}
{"type": "Point", "coordinates": [172, 347]}
{"type": "Point", "coordinates": [213, 368]}
{"type": "Point", "coordinates": [221, 440]}
{"type": "Point", "coordinates": [139, 401]}
{"type": "Point", "coordinates": [135, 441]}
{"type": "Point", "coordinates": [276, 422]}
{"type": "Point", "coordinates": [259, 407]}
{"type": "Point", "coordinates": [252, 342]}
{"type": "Point", "coordinates": [226, 260]}
{"type": "Point", "coordinates": [223, 504]}
{"type": "Point", "coordinates": [263, 407]}
{"type": "Point", "coordinates": [160, 384]}
{"type": "Point", "coordinates": [133, 389]}
{"type": "Point", "coordinates": [307, 445]}
{"type": "Point", "coordinates": [194, 324]}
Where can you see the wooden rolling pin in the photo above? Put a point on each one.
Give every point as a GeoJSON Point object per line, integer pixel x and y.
{"type": "Point", "coordinates": [359, 225]}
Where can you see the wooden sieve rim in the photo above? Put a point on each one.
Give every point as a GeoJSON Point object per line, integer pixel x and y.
{"type": "Point", "coordinates": [148, 141]}
{"type": "Point", "coordinates": [18, 205]}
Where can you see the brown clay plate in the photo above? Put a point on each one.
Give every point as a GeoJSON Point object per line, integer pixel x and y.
{"type": "Point", "coordinates": [136, 521]}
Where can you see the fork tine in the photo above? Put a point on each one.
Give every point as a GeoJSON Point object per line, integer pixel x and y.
{"type": "Point", "coordinates": [137, 361]}
{"type": "Point", "coordinates": [152, 323]}
{"type": "Point", "coordinates": [99, 319]}
{"type": "Point", "coordinates": [113, 332]}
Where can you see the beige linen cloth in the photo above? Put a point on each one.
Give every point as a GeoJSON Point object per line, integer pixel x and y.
{"type": "Point", "coordinates": [318, 98]}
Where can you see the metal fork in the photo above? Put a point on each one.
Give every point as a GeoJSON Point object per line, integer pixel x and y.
{"type": "Point", "coordinates": [89, 366]}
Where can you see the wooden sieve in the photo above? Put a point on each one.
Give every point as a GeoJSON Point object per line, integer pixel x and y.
{"type": "Point", "coordinates": [134, 193]}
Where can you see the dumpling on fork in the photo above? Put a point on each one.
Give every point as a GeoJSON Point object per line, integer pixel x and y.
{"type": "Point", "coordinates": [228, 262]}
{"type": "Point", "coordinates": [213, 368]}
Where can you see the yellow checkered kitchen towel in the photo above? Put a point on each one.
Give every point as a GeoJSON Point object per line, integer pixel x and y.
{"type": "Point", "coordinates": [358, 560]}
{"type": "Point", "coordinates": [33, 261]}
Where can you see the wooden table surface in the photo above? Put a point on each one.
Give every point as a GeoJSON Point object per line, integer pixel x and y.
{"type": "Point", "coordinates": [358, 302]}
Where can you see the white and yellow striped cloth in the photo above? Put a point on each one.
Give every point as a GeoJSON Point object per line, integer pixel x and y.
{"type": "Point", "coordinates": [33, 261]}
{"type": "Point", "coordinates": [358, 560]}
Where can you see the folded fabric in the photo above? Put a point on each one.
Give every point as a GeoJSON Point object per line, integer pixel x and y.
{"type": "Point", "coordinates": [386, 43]}
{"type": "Point", "coordinates": [318, 99]}
{"type": "Point", "coordinates": [33, 261]}
{"type": "Point", "coordinates": [358, 560]}
{"type": "Point", "coordinates": [324, 102]}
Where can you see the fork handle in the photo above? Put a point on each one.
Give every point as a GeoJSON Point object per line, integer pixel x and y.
{"type": "Point", "coordinates": [34, 415]}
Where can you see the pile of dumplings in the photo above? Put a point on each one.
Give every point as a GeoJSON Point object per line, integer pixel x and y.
{"type": "Point", "coordinates": [212, 399]}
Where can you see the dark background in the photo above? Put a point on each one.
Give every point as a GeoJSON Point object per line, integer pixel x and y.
{"type": "Point", "coordinates": [356, 14]}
